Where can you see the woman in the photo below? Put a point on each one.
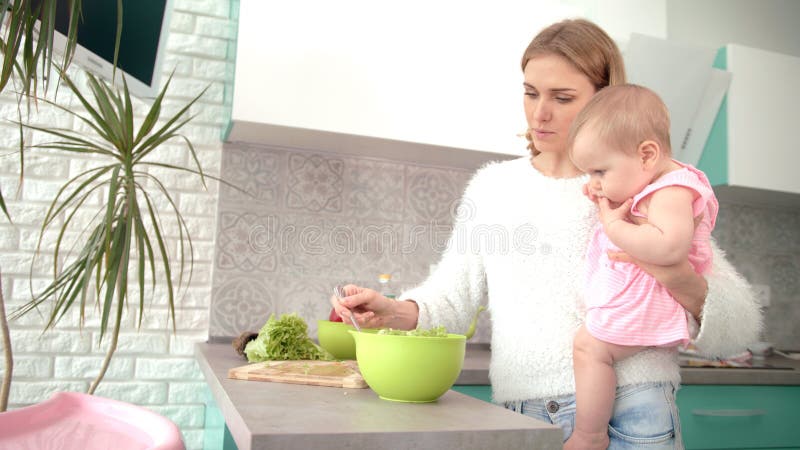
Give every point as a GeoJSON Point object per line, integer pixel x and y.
{"type": "Point", "coordinates": [534, 288]}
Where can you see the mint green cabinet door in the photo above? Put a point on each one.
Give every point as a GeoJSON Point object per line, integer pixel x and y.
{"type": "Point", "coordinates": [739, 417]}
{"type": "Point", "coordinates": [479, 391]}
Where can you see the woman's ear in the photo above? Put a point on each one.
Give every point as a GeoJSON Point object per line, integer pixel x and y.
{"type": "Point", "coordinates": [648, 152]}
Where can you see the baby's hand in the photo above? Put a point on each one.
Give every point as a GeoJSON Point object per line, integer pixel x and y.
{"type": "Point", "coordinates": [611, 212]}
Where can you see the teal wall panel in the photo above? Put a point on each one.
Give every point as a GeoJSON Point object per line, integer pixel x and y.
{"type": "Point", "coordinates": [714, 159]}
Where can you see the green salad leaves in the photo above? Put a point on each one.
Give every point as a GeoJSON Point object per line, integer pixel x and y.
{"type": "Point", "coordinates": [283, 339]}
{"type": "Point", "coordinates": [439, 331]}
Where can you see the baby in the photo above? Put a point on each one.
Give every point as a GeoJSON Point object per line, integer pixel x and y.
{"type": "Point", "coordinates": [655, 209]}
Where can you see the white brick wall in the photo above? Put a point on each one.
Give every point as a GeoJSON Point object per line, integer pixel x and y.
{"type": "Point", "coordinates": [152, 366]}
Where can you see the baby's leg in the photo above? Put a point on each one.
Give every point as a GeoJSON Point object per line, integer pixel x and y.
{"type": "Point", "coordinates": [595, 388]}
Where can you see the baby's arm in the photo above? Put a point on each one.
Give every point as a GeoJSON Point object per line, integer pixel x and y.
{"type": "Point", "coordinates": [666, 238]}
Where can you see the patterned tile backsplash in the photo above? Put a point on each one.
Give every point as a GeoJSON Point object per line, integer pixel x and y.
{"type": "Point", "coordinates": [313, 220]}
{"type": "Point", "coordinates": [317, 219]}
{"type": "Point", "coordinates": [764, 245]}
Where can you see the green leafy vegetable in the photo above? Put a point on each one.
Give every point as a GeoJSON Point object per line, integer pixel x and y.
{"type": "Point", "coordinates": [439, 331]}
{"type": "Point", "coordinates": [282, 339]}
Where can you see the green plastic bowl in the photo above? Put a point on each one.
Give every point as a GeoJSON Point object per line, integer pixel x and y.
{"type": "Point", "coordinates": [334, 337]}
{"type": "Point", "coordinates": [409, 368]}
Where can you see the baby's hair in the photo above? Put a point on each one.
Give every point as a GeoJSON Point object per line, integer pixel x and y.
{"type": "Point", "coordinates": [624, 116]}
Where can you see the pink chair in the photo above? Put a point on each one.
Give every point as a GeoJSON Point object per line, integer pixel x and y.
{"type": "Point", "coordinates": [76, 421]}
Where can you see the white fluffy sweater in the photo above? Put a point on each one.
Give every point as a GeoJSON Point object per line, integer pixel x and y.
{"type": "Point", "coordinates": [520, 238]}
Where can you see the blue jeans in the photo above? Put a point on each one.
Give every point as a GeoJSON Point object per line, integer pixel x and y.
{"type": "Point", "coordinates": [645, 416]}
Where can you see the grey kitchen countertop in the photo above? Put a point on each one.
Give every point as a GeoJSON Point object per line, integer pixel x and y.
{"type": "Point", "coordinates": [784, 371]}
{"type": "Point", "coordinates": [286, 416]}
{"type": "Point", "coordinates": [264, 415]}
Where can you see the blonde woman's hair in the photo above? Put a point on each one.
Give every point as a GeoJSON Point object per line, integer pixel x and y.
{"type": "Point", "coordinates": [586, 46]}
{"type": "Point", "coordinates": [624, 116]}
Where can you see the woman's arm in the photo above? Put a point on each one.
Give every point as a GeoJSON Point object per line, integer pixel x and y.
{"type": "Point", "coordinates": [449, 297]}
{"type": "Point", "coordinates": [732, 318]}
{"type": "Point", "coordinates": [722, 301]}
{"type": "Point", "coordinates": [452, 294]}
{"type": "Point", "coordinates": [372, 310]}
{"type": "Point", "coordinates": [688, 288]}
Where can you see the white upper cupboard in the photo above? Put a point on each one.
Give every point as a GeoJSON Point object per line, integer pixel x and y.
{"type": "Point", "coordinates": [436, 82]}
{"type": "Point", "coordinates": [753, 153]}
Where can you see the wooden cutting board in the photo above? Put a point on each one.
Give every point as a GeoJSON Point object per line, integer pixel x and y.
{"type": "Point", "coordinates": [343, 374]}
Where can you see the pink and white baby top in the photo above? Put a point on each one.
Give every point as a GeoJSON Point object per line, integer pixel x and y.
{"type": "Point", "coordinates": [627, 306]}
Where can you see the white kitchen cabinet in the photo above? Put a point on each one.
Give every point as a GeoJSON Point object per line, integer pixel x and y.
{"type": "Point", "coordinates": [752, 154]}
{"type": "Point", "coordinates": [413, 81]}
{"type": "Point", "coordinates": [430, 82]}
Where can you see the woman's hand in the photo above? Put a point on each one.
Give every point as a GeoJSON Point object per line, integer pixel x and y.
{"type": "Point", "coordinates": [687, 286]}
{"type": "Point", "coordinates": [372, 310]}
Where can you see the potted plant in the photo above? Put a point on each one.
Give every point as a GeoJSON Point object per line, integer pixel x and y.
{"type": "Point", "coordinates": [125, 242]}
{"type": "Point", "coordinates": [128, 226]}
{"type": "Point", "coordinates": [27, 47]}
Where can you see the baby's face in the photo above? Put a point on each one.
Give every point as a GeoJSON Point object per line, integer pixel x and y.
{"type": "Point", "coordinates": [615, 174]}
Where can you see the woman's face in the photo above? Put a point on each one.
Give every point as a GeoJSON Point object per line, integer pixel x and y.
{"type": "Point", "coordinates": [555, 91]}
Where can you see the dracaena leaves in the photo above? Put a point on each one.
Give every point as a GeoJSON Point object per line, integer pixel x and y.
{"type": "Point", "coordinates": [126, 235]}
